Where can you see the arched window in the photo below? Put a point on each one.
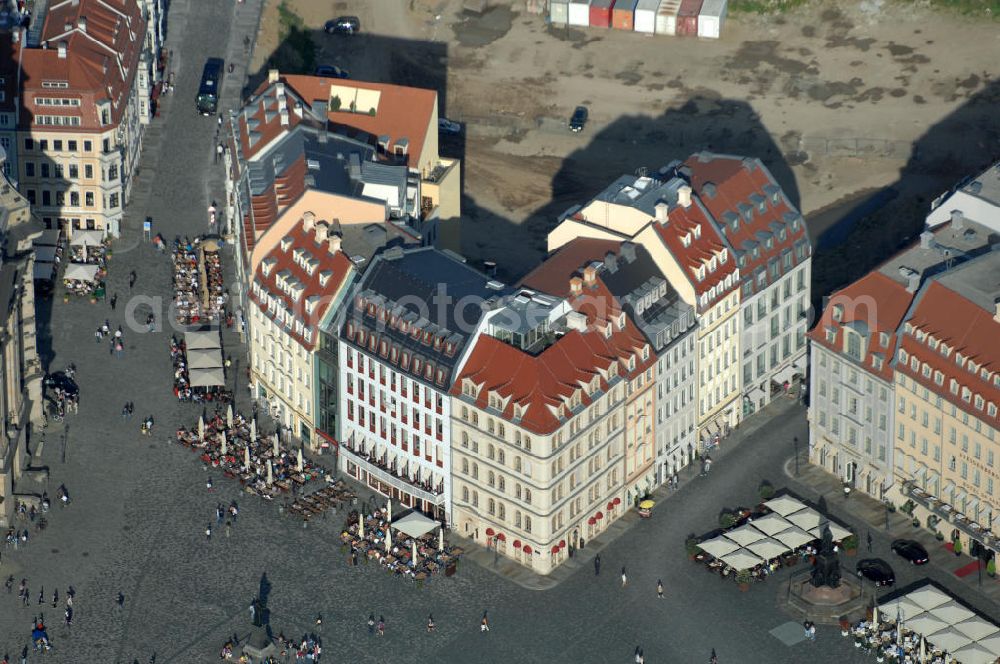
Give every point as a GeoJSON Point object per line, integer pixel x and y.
{"type": "Point", "coordinates": [475, 471]}
{"type": "Point", "coordinates": [465, 439]}
{"type": "Point", "coordinates": [465, 413]}
{"type": "Point", "coordinates": [502, 513]}
{"type": "Point", "coordinates": [465, 466]}
{"type": "Point", "coordinates": [465, 494]}
{"type": "Point", "coordinates": [492, 506]}
{"type": "Point", "coordinates": [502, 484]}
{"type": "Point", "coordinates": [517, 519]}
{"type": "Point", "coordinates": [475, 499]}
{"type": "Point", "coordinates": [490, 452]}
{"type": "Point", "coordinates": [491, 478]}
{"type": "Point", "coordinates": [527, 524]}
{"type": "Point", "coordinates": [527, 496]}
{"type": "Point", "coordinates": [500, 429]}
{"type": "Point", "coordinates": [517, 491]}
{"type": "Point", "coordinates": [501, 457]}
{"type": "Point", "coordinates": [475, 418]}
{"type": "Point", "coordinates": [517, 464]}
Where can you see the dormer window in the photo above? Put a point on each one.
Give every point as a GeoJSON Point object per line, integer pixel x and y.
{"type": "Point", "coordinates": [782, 235]}
{"type": "Point", "coordinates": [607, 331]}
{"type": "Point", "coordinates": [712, 264]}
{"type": "Point", "coordinates": [883, 339]}
{"type": "Point", "coordinates": [416, 365]}
{"type": "Point", "coordinates": [938, 378]}
{"type": "Point", "coordinates": [686, 240]}
{"type": "Point", "coordinates": [697, 231]}
{"type": "Point", "coordinates": [838, 312]}
{"type": "Point", "coordinates": [621, 321]}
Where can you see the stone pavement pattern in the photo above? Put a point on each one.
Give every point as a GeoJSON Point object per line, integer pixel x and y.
{"type": "Point", "coordinates": [140, 504]}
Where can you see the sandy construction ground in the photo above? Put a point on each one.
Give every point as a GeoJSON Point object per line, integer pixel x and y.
{"type": "Point", "coordinates": [840, 100]}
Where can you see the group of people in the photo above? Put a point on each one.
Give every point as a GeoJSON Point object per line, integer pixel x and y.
{"type": "Point", "coordinates": [261, 464]}
{"type": "Point", "coordinates": [62, 392]}
{"type": "Point", "coordinates": [116, 339]}
{"type": "Point", "coordinates": [371, 538]}
{"type": "Point", "coordinates": [882, 638]}
{"type": "Point", "coordinates": [199, 293]}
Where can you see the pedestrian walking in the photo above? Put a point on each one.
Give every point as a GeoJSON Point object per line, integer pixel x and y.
{"type": "Point", "coordinates": [121, 601]}
{"type": "Point", "coordinates": [319, 619]}
{"type": "Point", "coordinates": [132, 277]}
{"type": "Point", "coordinates": [68, 615]}
{"type": "Point", "coordinates": [381, 626]}
{"type": "Point", "coordinates": [714, 659]}
{"type": "Point", "coordinates": [113, 301]}
{"type": "Point", "coordinates": [869, 541]}
{"type": "Point", "coordinates": [430, 623]}
{"type": "Point", "coordinates": [659, 589]}
{"type": "Point", "coordinates": [597, 565]}
{"type": "Point", "coordinates": [229, 529]}
{"type": "Point", "coordinates": [55, 598]}
{"type": "Point", "coordinates": [208, 484]}
{"type": "Point", "coordinates": [98, 337]}
{"type": "Point", "coordinates": [208, 532]}
{"type": "Point", "coordinates": [41, 596]}
{"type": "Point", "coordinates": [24, 655]}
{"type": "Point", "coordinates": [371, 623]}
{"type": "Point", "coordinates": [484, 624]}
{"type": "Point", "coordinates": [624, 578]}
{"type": "Point", "coordinates": [812, 631]}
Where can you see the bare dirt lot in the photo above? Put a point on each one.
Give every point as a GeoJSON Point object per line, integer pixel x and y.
{"type": "Point", "coordinates": [840, 100]}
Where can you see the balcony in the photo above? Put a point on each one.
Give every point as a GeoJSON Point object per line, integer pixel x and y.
{"type": "Point", "coordinates": [384, 473]}
{"type": "Point", "coordinates": [950, 515]}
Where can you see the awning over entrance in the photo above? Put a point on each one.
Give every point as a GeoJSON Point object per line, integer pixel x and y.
{"type": "Point", "coordinates": [784, 375]}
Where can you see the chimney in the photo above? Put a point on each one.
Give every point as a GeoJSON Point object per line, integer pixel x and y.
{"type": "Point", "coordinates": [925, 239]}
{"type": "Point", "coordinates": [662, 212]}
{"type": "Point", "coordinates": [957, 220]}
{"type": "Point", "coordinates": [81, 23]}
{"type": "Point", "coordinates": [684, 196]}
{"type": "Point", "coordinates": [62, 50]}
{"type": "Point", "coordinates": [575, 286]}
{"type": "Point", "coordinates": [335, 243]}
{"type": "Point", "coordinates": [321, 231]}
{"type": "Point", "coordinates": [589, 275]}
{"type": "Point", "coordinates": [273, 75]}
{"type": "Point", "coordinates": [308, 221]}
{"type": "Point", "coordinates": [912, 281]}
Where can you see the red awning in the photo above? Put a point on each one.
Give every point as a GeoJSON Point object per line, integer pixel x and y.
{"type": "Point", "coordinates": [610, 506]}
{"type": "Point", "coordinates": [562, 543]}
{"type": "Point", "coordinates": [591, 521]}
{"type": "Point", "coordinates": [527, 548]}
{"type": "Point", "coordinates": [555, 549]}
{"type": "Point", "coordinates": [517, 544]}
{"type": "Point", "coordinates": [501, 537]}
{"type": "Point", "coordinates": [599, 516]}
{"type": "Point", "coordinates": [617, 501]}
{"type": "Point", "coordinates": [490, 532]}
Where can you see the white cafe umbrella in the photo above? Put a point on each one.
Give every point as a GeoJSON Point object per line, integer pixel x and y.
{"type": "Point", "coordinates": [976, 628]}
{"type": "Point", "coordinates": [270, 472]}
{"type": "Point", "coordinates": [925, 623]}
{"type": "Point", "coordinates": [388, 511]}
{"type": "Point", "coordinates": [229, 416]}
{"type": "Point", "coordinates": [223, 444]}
{"type": "Point", "coordinates": [928, 597]}
{"type": "Point", "coordinates": [742, 559]}
{"type": "Point", "coordinates": [246, 456]}
{"type": "Point", "coordinates": [952, 613]}
{"type": "Point", "coordinates": [923, 649]}
{"type": "Point", "coordinates": [875, 615]}
{"type": "Point", "coordinates": [975, 653]}
{"type": "Point", "coordinates": [361, 526]}
{"type": "Point", "coordinates": [745, 535]}
{"type": "Point", "coordinates": [771, 524]}
{"type": "Point", "coordinates": [276, 452]}
{"type": "Point", "coordinates": [949, 639]}
{"type": "Point", "coordinates": [299, 466]}
{"type": "Point", "coordinates": [388, 540]}
{"type": "Point", "coordinates": [992, 643]}
{"type": "Point", "coordinates": [794, 537]}
{"type": "Point", "coordinates": [253, 430]}
{"type": "Point", "coordinates": [718, 547]}
{"type": "Point", "coordinates": [807, 519]}
{"type": "Point", "coordinates": [201, 428]}
{"type": "Point", "coordinates": [768, 548]}
{"type": "Point", "coordinates": [413, 560]}
{"type": "Point", "coordinates": [441, 538]}
{"type": "Point", "coordinates": [784, 505]}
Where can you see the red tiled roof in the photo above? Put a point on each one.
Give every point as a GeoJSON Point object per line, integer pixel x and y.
{"type": "Point", "coordinates": [683, 221]}
{"type": "Point", "coordinates": [403, 112]}
{"type": "Point", "coordinates": [735, 180]}
{"type": "Point", "coordinates": [547, 381]}
{"type": "Point", "coordinates": [337, 265]}
{"type": "Point", "coordinates": [968, 330]}
{"type": "Point", "coordinates": [101, 61]}
{"type": "Point", "coordinates": [880, 303]}
{"type": "Point", "coordinates": [553, 275]}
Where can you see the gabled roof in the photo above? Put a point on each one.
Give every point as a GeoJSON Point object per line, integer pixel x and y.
{"type": "Point", "coordinates": [317, 273]}
{"type": "Point", "coordinates": [104, 40]}
{"type": "Point", "coordinates": [554, 273]}
{"type": "Point", "coordinates": [872, 305]}
{"type": "Point", "coordinates": [542, 385]}
{"type": "Point", "coordinates": [732, 187]}
{"type": "Point", "coordinates": [402, 114]}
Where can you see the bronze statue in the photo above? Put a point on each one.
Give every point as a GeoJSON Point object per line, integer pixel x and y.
{"type": "Point", "coordinates": [826, 568]}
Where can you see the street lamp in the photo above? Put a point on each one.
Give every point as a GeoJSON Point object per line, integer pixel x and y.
{"type": "Point", "coordinates": [795, 440]}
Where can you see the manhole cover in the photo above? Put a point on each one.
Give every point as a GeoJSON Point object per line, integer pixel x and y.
{"type": "Point", "coordinates": [86, 553]}
{"type": "Point", "coordinates": [55, 550]}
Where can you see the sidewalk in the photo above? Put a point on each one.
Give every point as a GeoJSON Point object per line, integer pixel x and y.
{"type": "Point", "coordinates": [524, 577]}
{"type": "Point", "coordinates": [813, 481]}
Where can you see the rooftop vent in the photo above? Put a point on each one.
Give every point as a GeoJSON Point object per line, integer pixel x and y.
{"type": "Point", "coordinates": [662, 212]}
{"type": "Point", "coordinates": [708, 189]}
{"type": "Point", "coordinates": [957, 220]}
{"type": "Point", "coordinates": [576, 321]}
{"type": "Point", "coordinates": [926, 239]}
{"type": "Point", "coordinates": [493, 284]}
{"type": "Point", "coordinates": [393, 253]}
{"type": "Point", "coordinates": [975, 187]}
{"type": "Point", "coordinates": [684, 196]}
{"type": "Point", "coordinates": [628, 251]}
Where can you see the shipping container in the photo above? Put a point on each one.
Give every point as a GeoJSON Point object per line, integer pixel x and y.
{"type": "Point", "coordinates": [645, 15]}
{"type": "Point", "coordinates": [687, 17]}
{"type": "Point", "coordinates": [623, 15]}
{"type": "Point", "coordinates": [711, 18]}
{"type": "Point", "coordinates": [579, 13]}
{"type": "Point", "coordinates": [558, 12]}
{"type": "Point", "coordinates": [666, 17]}
{"type": "Point", "coordinates": [600, 13]}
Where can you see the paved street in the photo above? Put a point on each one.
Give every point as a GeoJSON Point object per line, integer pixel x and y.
{"type": "Point", "coordinates": [140, 505]}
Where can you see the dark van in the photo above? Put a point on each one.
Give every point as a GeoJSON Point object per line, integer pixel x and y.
{"type": "Point", "coordinates": [208, 91]}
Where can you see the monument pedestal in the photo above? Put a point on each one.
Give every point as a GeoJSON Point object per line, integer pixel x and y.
{"type": "Point", "coordinates": [259, 645]}
{"type": "Point", "coordinates": [824, 605]}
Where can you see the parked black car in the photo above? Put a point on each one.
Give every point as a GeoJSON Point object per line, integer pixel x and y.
{"type": "Point", "coordinates": [910, 550]}
{"type": "Point", "coordinates": [877, 571]}
{"type": "Point", "coordinates": [343, 25]}
{"type": "Point", "coordinates": [578, 119]}
{"type": "Point", "coordinates": [331, 71]}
